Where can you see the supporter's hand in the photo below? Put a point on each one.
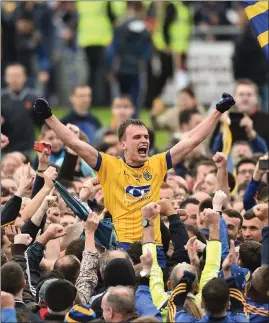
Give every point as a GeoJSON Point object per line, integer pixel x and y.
{"type": "Point", "coordinates": [190, 247]}
{"type": "Point", "coordinates": [258, 174]}
{"type": "Point", "coordinates": [7, 300]}
{"type": "Point", "coordinates": [48, 202]}
{"type": "Point", "coordinates": [199, 245]}
{"type": "Point", "coordinates": [183, 214]}
{"type": "Point", "coordinates": [146, 261]}
{"type": "Point", "coordinates": [219, 200]}
{"type": "Point", "coordinates": [211, 218]}
{"type": "Point", "coordinates": [226, 102]}
{"type": "Point", "coordinates": [229, 260]}
{"type": "Point", "coordinates": [26, 181]}
{"type": "Point", "coordinates": [23, 238]}
{"type": "Point", "coordinates": [11, 231]}
{"type": "Point", "coordinates": [76, 131]}
{"type": "Point", "coordinates": [49, 175]}
{"type": "Point", "coordinates": [166, 207]}
{"type": "Point", "coordinates": [91, 224]}
{"type": "Point", "coordinates": [261, 212]}
{"type": "Point", "coordinates": [89, 189]}
{"type": "Point", "coordinates": [4, 141]}
{"type": "Point", "coordinates": [220, 160]}
{"type": "Point", "coordinates": [151, 210]}
{"type": "Point", "coordinates": [54, 231]}
{"type": "Point", "coordinates": [41, 108]}
{"type": "Point", "coordinates": [43, 158]}
{"type": "Point", "coordinates": [247, 123]}
{"type": "Point", "coordinates": [53, 215]}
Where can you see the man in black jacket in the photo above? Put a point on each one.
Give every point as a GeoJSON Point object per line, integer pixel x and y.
{"type": "Point", "coordinates": [18, 119]}
{"type": "Point", "coordinates": [13, 282]}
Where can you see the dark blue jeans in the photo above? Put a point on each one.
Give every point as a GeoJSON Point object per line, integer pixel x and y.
{"type": "Point", "coordinates": [160, 253]}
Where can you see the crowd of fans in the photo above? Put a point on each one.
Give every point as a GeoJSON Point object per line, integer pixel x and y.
{"type": "Point", "coordinates": [190, 230]}
{"type": "Point", "coordinates": [119, 46]}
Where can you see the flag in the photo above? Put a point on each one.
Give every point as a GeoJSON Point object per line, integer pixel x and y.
{"type": "Point", "coordinates": [258, 15]}
{"type": "Point", "coordinates": [227, 142]}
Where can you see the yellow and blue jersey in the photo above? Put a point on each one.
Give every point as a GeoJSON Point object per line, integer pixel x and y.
{"type": "Point", "coordinates": [128, 189]}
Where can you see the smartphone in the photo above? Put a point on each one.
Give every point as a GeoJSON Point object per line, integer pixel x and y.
{"type": "Point", "coordinates": [238, 132]}
{"type": "Point", "coordinates": [40, 146]}
{"type": "Point", "coordinates": [264, 164]}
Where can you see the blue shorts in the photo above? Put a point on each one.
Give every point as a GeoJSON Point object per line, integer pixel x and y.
{"type": "Point", "coordinates": [160, 253]}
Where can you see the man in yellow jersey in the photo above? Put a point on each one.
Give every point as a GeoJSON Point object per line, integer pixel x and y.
{"type": "Point", "coordinates": [131, 182]}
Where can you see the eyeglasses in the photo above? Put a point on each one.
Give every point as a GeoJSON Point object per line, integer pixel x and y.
{"type": "Point", "coordinates": [245, 171]}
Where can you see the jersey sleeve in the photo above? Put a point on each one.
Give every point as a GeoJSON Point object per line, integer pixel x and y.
{"type": "Point", "coordinates": [162, 162]}
{"type": "Point", "coordinates": [105, 166]}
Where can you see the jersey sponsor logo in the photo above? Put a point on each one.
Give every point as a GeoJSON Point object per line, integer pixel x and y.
{"type": "Point", "coordinates": [147, 175]}
{"type": "Point", "coordinates": [137, 192]}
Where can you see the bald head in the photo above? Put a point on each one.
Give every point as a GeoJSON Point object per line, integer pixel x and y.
{"type": "Point", "coordinates": [118, 302]}
{"type": "Point", "coordinates": [69, 266]}
{"type": "Point", "coordinates": [178, 272]}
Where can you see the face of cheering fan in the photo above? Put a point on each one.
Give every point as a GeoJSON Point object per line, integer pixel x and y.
{"type": "Point", "coordinates": [135, 145]}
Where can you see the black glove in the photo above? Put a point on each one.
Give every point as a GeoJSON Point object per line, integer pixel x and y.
{"type": "Point", "coordinates": [226, 102]}
{"type": "Point", "coordinates": [41, 108]}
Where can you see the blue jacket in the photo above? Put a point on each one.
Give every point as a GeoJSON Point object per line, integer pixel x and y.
{"type": "Point", "coordinates": [265, 246]}
{"type": "Point", "coordinates": [258, 144]}
{"type": "Point", "coordinates": [144, 304]}
{"type": "Point", "coordinates": [223, 238]}
{"type": "Point", "coordinates": [251, 190]}
{"type": "Point", "coordinates": [8, 315]}
{"type": "Point", "coordinates": [258, 312]}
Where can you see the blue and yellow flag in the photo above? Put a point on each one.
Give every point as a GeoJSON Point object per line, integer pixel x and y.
{"type": "Point", "coordinates": [258, 15]}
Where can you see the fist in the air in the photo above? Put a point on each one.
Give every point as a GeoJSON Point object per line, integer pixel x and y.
{"type": "Point", "coordinates": [41, 108]}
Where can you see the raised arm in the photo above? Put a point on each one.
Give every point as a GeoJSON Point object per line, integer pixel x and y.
{"type": "Point", "coordinates": [197, 135]}
{"type": "Point", "coordinates": [85, 151]}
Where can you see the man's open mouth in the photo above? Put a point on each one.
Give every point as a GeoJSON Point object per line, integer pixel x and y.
{"type": "Point", "coordinates": [142, 151]}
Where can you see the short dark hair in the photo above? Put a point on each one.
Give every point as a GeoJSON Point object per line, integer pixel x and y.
{"type": "Point", "coordinates": [69, 266]}
{"type": "Point", "coordinates": [249, 215]}
{"type": "Point", "coordinates": [244, 161]}
{"type": "Point", "coordinates": [189, 200]}
{"type": "Point", "coordinates": [204, 162]}
{"type": "Point", "coordinates": [250, 255]}
{"type": "Point", "coordinates": [206, 204]}
{"type": "Point", "coordinates": [186, 115]}
{"type": "Point", "coordinates": [215, 295]}
{"type": "Point", "coordinates": [12, 278]}
{"type": "Point", "coordinates": [234, 214]}
{"type": "Point", "coordinates": [4, 192]}
{"type": "Point", "coordinates": [195, 231]}
{"type": "Point", "coordinates": [125, 124]}
{"type": "Point", "coordinates": [104, 146]}
{"type": "Point", "coordinates": [135, 251]}
{"type": "Point", "coordinates": [76, 248]}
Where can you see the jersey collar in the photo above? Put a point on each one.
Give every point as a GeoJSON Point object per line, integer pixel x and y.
{"type": "Point", "coordinates": [123, 158]}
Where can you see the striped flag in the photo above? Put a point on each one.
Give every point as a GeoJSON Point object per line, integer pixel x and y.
{"type": "Point", "coordinates": [258, 15]}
